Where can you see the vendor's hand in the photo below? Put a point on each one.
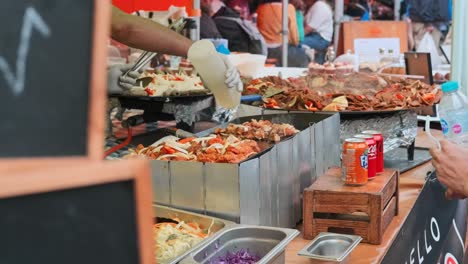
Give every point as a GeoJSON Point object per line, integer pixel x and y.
{"type": "Point", "coordinates": [232, 80]}
{"type": "Point", "coordinates": [451, 164]}
{"type": "Point", "coordinates": [116, 83]}
{"type": "Point", "coordinates": [451, 195]}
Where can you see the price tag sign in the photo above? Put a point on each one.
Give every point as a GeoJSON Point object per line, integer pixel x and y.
{"type": "Point", "coordinates": [52, 77]}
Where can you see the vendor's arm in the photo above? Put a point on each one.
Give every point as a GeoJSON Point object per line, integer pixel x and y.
{"type": "Point", "coordinates": [451, 165]}
{"type": "Point", "coordinates": [144, 34]}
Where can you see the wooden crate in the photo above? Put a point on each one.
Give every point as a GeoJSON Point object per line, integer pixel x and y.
{"type": "Point", "coordinates": [331, 206]}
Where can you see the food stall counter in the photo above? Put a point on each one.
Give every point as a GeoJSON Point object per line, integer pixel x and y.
{"type": "Point", "coordinates": [411, 183]}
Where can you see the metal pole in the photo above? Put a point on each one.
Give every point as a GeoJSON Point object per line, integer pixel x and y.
{"type": "Point", "coordinates": [196, 6]}
{"type": "Point", "coordinates": [396, 10]}
{"type": "Point", "coordinates": [339, 11]}
{"type": "Point", "coordinates": [459, 48]}
{"type": "Point", "coordinates": [285, 33]}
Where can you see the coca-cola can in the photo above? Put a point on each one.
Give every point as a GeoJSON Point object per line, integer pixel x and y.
{"type": "Point", "coordinates": [372, 156]}
{"type": "Point", "coordinates": [379, 140]}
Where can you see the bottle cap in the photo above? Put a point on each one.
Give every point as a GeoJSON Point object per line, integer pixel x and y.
{"type": "Point", "coordinates": [449, 87]}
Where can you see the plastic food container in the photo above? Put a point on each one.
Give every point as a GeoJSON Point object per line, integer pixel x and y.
{"type": "Point", "coordinates": [248, 64]}
{"type": "Point", "coordinates": [267, 242]}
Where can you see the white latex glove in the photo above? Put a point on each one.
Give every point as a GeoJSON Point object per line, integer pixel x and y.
{"type": "Point", "coordinates": [233, 80]}
{"type": "Point", "coordinates": [116, 83]}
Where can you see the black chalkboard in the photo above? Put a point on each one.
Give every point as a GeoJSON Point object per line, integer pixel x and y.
{"type": "Point", "coordinates": [45, 55]}
{"type": "Point", "coordinates": [92, 225]}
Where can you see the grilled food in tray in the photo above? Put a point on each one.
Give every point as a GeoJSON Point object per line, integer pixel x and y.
{"type": "Point", "coordinates": [357, 92]}
{"type": "Point", "coordinates": [160, 84]}
{"type": "Point", "coordinates": [233, 144]}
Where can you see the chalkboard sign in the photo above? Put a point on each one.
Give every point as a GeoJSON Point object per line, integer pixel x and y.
{"type": "Point", "coordinates": [52, 76]}
{"type": "Point", "coordinates": [86, 213]}
{"type": "Point", "coordinates": [434, 231]}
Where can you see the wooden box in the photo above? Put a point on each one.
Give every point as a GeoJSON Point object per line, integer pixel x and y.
{"type": "Point", "coordinates": [331, 206]}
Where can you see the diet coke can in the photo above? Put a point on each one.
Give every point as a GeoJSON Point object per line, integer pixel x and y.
{"type": "Point", "coordinates": [372, 156]}
{"type": "Point", "coordinates": [378, 137]}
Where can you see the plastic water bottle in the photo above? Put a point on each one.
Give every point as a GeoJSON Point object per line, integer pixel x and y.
{"type": "Point", "coordinates": [453, 113]}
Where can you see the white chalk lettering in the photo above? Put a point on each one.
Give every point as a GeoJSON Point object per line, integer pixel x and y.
{"type": "Point", "coordinates": [458, 233]}
{"type": "Point", "coordinates": [411, 259]}
{"type": "Point", "coordinates": [420, 258]}
{"type": "Point", "coordinates": [435, 225]}
{"type": "Point", "coordinates": [31, 20]}
{"type": "Point", "coordinates": [428, 248]}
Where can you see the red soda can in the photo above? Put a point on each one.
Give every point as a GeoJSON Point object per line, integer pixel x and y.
{"type": "Point", "coordinates": [379, 140]}
{"type": "Point", "coordinates": [354, 162]}
{"type": "Point", "coordinates": [372, 156]}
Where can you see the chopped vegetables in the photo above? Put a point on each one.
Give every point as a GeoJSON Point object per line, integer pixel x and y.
{"type": "Point", "coordinates": [242, 256]}
{"type": "Point", "coordinates": [172, 240]}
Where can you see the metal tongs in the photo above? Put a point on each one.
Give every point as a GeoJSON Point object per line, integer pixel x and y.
{"type": "Point", "coordinates": [147, 56]}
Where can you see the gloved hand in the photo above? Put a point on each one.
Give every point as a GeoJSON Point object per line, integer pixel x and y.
{"type": "Point", "coordinates": [233, 80]}
{"type": "Point", "coordinates": [223, 115]}
{"type": "Point", "coordinates": [116, 83]}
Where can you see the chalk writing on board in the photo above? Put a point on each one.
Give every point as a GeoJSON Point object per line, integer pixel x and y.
{"type": "Point", "coordinates": [31, 20]}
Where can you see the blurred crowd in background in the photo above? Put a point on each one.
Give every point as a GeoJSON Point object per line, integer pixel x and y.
{"type": "Point", "coordinates": [255, 26]}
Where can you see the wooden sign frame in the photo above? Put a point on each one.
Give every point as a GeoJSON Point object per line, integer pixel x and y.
{"type": "Point", "coordinates": [98, 80]}
{"type": "Point", "coordinates": [419, 63]}
{"type": "Point", "coordinates": [18, 180]}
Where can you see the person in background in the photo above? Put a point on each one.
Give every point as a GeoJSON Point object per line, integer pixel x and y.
{"type": "Point", "coordinates": [300, 8]}
{"type": "Point", "coordinates": [208, 29]}
{"type": "Point", "coordinates": [270, 25]}
{"type": "Point", "coordinates": [240, 6]}
{"type": "Point", "coordinates": [357, 8]}
{"type": "Point", "coordinates": [318, 28]}
{"type": "Point", "coordinates": [238, 40]}
{"type": "Point", "coordinates": [426, 18]}
{"type": "Point", "coordinates": [148, 35]}
{"type": "Point", "coordinates": [452, 168]}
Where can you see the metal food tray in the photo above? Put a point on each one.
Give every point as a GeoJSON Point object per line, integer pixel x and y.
{"type": "Point", "coordinates": [265, 190]}
{"type": "Point", "coordinates": [165, 99]}
{"type": "Point", "coordinates": [163, 213]}
{"type": "Point", "coordinates": [267, 242]}
{"type": "Point", "coordinates": [329, 248]}
{"type": "Point", "coordinates": [399, 127]}
{"type": "Point", "coordinates": [343, 114]}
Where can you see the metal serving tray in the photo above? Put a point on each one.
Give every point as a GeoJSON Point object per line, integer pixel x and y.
{"type": "Point", "coordinates": [215, 225]}
{"type": "Point", "coordinates": [264, 190]}
{"type": "Point", "coordinates": [267, 242]}
{"type": "Point", "coordinates": [330, 248]}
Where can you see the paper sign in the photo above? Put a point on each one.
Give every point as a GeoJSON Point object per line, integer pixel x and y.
{"type": "Point", "coordinates": [371, 46]}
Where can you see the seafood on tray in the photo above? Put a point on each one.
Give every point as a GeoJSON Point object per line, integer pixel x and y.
{"type": "Point", "coordinates": [174, 239]}
{"type": "Point", "coordinates": [258, 130]}
{"type": "Point", "coordinates": [213, 148]}
{"type": "Point", "coordinates": [167, 84]}
{"type": "Point", "coordinates": [354, 92]}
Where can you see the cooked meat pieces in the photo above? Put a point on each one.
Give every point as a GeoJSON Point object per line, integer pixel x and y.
{"type": "Point", "coordinates": [258, 130]}
{"type": "Point", "coordinates": [363, 91]}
